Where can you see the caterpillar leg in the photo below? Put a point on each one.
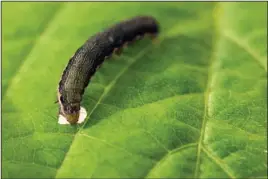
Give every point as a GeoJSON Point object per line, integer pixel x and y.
{"type": "Point", "coordinates": [118, 51]}
{"type": "Point", "coordinates": [139, 37]}
{"type": "Point", "coordinates": [131, 42]}
{"type": "Point", "coordinates": [154, 38]}
{"type": "Point", "coordinates": [108, 57]}
{"type": "Point", "coordinates": [98, 67]}
{"type": "Point", "coordinates": [126, 45]}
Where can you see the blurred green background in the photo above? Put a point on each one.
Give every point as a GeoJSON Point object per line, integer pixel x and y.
{"type": "Point", "coordinates": [191, 105]}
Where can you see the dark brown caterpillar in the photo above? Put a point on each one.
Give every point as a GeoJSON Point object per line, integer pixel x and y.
{"type": "Point", "coordinates": [91, 55]}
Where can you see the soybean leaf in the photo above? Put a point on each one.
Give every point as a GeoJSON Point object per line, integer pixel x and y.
{"type": "Point", "coordinates": [191, 104]}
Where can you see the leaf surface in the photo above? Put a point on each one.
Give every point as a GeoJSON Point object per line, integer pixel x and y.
{"type": "Point", "coordinates": [191, 104]}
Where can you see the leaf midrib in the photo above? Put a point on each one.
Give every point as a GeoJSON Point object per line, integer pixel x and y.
{"type": "Point", "coordinates": [207, 105]}
{"type": "Point", "coordinates": [207, 102]}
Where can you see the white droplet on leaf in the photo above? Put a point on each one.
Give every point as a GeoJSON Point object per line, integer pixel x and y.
{"type": "Point", "coordinates": [62, 120]}
{"type": "Point", "coordinates": [82, 117]}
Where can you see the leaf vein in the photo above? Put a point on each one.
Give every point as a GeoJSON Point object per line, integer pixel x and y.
{"type": "Point", "coordinates": [110, 144]}
{"type": "Point", "coordinates": [33, 163]}
{"type": "Point", "coordinates": [168, 154]}
{"type": "Point", "coordinates": [219, 162]}
{"type": "Point", "coordinates": [246, 47]}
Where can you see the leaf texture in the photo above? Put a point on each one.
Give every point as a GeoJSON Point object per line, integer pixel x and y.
{"type": "Point", "coordinates": [190, 105]}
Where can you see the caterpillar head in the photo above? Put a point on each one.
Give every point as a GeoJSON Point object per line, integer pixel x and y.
{"type": "Point", "coordinates": [71, 112]}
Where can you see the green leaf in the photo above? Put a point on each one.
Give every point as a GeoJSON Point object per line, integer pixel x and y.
{"type": "Point", "coordinates": [191, 104]}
